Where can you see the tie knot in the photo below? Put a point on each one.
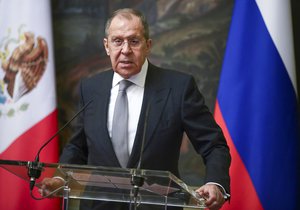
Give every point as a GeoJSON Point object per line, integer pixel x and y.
{"type": "Point", "coordinates": [124, 84]}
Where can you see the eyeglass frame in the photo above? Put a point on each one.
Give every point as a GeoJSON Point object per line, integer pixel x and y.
{"type": "Point", "coordinates": [130, 41]}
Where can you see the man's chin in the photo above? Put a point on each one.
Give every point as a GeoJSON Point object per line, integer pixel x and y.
{"type": "Point", "coordinates": [127, 72]}
{"type": "Point", "coordinates": [126, 66]}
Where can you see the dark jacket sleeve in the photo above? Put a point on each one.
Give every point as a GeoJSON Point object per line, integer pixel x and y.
{"type": "Point", "coordinates": [205, 135]}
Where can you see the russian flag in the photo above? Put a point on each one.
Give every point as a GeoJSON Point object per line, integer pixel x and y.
{"type": "Point", "coordinates": [257, 107]}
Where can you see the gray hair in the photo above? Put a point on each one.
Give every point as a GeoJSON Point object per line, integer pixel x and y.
{"type": "Point", "coordinates": [127, 12]}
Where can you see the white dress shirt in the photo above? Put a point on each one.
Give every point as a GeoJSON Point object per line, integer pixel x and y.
{"type": "Point", "coordinates": [135, 94]}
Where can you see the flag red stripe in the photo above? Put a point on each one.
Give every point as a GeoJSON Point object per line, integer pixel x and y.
{"type": "Point", "coordinates": [26, 146]}
{"type": "Point", "coordinates": [241, 185]}
{"type": "Point", "coordinates": [14, 191]}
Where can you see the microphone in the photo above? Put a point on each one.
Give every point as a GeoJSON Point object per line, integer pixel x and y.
{"type": "Point", "coordinates": [137, 180]}
{"type": "Point", "coordinates": [144, 136]}
{"type": "Point", "coordinates": [35, 167]}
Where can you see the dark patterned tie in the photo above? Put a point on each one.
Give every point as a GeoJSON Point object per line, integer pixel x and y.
{"type": "Point", "coordinates": [120, 124]}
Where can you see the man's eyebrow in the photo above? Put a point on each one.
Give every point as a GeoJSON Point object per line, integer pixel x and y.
{"type": "Point", "coordinates": [128, 37]}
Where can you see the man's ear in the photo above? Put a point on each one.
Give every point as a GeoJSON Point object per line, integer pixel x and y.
{"type": "Point", "coordinates": [105, 43]}
{"type": "Point", "coordinates": [149, 45]}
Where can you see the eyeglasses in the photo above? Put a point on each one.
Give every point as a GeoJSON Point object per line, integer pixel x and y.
{"type": "Point", "coordinates": [132, 43]}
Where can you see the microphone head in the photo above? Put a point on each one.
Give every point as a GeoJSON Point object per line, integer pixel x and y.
{"type": "Point", "coordinates": [31, 183]}
{"type": "Point", "coordinates": [137, 180]}
{"type": "Point", "coordinates": [34, 172]}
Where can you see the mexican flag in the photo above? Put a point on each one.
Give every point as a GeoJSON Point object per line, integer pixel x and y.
{"type": "Point", "coordinates": [28, 113]}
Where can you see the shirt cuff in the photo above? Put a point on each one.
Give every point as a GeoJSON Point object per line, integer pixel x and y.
{"type": "Point", "coordinates": [58, 177]}
{"type": "Point", "coordinates": [225, 194]}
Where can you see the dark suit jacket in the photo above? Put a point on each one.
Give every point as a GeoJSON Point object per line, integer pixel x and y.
{"type": "Point", "coordinates": [175, 106]}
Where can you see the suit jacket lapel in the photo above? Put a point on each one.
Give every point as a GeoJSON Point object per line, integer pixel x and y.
{"type": "Point", "coordinates": [155, 97]}
{"type": "Point", "coordinates": [100, 118]}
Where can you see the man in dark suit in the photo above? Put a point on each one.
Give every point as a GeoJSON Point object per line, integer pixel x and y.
{"type": "Point", "coordinates": [169, 100]}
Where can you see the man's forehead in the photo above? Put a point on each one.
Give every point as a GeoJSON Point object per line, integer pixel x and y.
{"type": "Point", "coordinates": [120, 25]}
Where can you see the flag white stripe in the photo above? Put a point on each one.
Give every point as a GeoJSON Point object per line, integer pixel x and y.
{"type": "Point", "coordinates": [280, 29]}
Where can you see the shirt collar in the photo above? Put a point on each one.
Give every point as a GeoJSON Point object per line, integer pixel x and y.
{"type": "Point", "coordinates": [138, 79]}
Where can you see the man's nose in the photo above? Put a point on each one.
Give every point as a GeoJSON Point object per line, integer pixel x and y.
{"type": "Point", "coordinates": [126, 47]}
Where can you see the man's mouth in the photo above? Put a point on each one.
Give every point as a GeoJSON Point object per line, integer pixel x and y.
{"type": "Point", "coordinates": [126, 62]}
